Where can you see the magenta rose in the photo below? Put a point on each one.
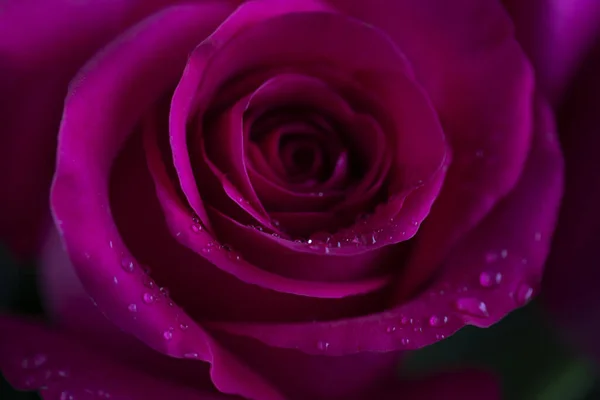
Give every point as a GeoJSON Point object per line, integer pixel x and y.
{"type": "Point", "coordinates": [276, 197]}
{"type": "Point", "coordinates": [568, 65]}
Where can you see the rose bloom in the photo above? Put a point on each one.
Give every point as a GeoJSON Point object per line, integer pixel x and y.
{"type": "Point", "coordinates": [268, 199]}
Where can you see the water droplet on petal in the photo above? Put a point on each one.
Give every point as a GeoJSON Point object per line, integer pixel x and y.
{"type": "Point", "coordinates": [488, 279]}
{"type": "Point", "coordinates": [190, 355]}
{"type": "Point", "coordinates": [323, 346]}
{"type": "Point", "coordinates": [183, 326]}
{"type": "Point", "coordinates": [66, 396]}
{"type": "Point", "coordinates": [39, 360]}
{"type": "Point", "coordinates": [406, 321]}
{"type": "Point", "coordinates": [472, 306]}
{"type": "Point", "coordinates": [538, 236]}
{"type": "Point", "coordinates": [148, 298]}
{"type": "Point", "coordinates": [390, 329]}
{"type": "Point", "coordinates": [196, 228]}
{"type": "Point", "coordinates": [132, 307]}
{"type": "Point", "coordinates": [63, 373]}
{"type": "Point", "coordinates": [149, 283]}
{"type": "Point", "coordinates": [128, 264]}
{"type": "Point", "coordinates": [168, 335]}
{"type": "Point", "coordinates": [405, 341]}
{"type": "Point", "coordinates": [524, 294]}
{"type": "Point", "coordinates": [115, 280]}
{"type": "Point", "coordinates": [436, 321]}
{"type": "Point", "coordinates": [205, 250]}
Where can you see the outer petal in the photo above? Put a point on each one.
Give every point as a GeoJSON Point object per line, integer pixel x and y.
{"type": "Point", "coordinates": [42, 45]}
{"type": "Point", "coordinates": [465, 55]}
{"type": "Point", "coordinates": [302, 376]}
{"type": "Point", "coordinates": [34, 357]}
{"type": "Point", "coordinates": [556, 34]}
{"type": "Point", "coordinates": [570, 285]}
{"type": "Point", "coordinates": [493, 270]}
{"type": "Point", "coordinates": [122, 83]}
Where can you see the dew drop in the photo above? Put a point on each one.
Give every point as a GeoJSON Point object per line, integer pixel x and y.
{"type": "Point", "coordinates": [39, 360]}
{"type": "Point", "coordinates": [196, 228]}
{"type": "Point", "coordinates": [373, 238]}
{"type": "Point", "coordinates": [115, 280]}
{"type": "Point", "coordinates": [405, 341]}
{"type": "Point", "coordinates": [436, 321]}
{"type": "Point", "coordinates": [183, 326]}
{"type": "Point", "coordinates": [128, 264]}
{"type": "Point", "coordinates": [190, 355]}
{"type": "Point", "coordinates": [472, 306]}
{"type": "Point", "coordinates": [66, 396]}
{"type": "Point", "coordinates": [149, 283]}
{"type": "Point", "coordinates": [168, 335]}
{"type": "Point", "coordinates": [63, 373]}
{"type": "Point", "coordinates": [132, 307]}
{"type": "Point", "coordinates": [488, 279]}
{"type": "Point", "coordinates": [148, 298]}
{"type": "Point", "coordinates": [406, 321]}
{"type": "Point", "coordinates": [323, 346]}
{"type": "Point", "coordinates": [390, 329]}
{"type": "Point", "coordinates": [524, 294]}
{"type": "Point", "coordinates": [205, 250]}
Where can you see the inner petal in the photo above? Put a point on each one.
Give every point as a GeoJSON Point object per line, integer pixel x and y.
{"type": "Point", "coordinates": [302, 157]}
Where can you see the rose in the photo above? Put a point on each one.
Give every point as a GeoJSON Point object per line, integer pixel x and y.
{"type": "Point", "coordinates": [567, 66]}
{"type": "Point", "coordinates": [309, 289]}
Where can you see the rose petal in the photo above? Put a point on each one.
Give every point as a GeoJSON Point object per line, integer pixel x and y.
{"type": "Point", "coordinates": [556, 34]}
{"type": "Point", "coordinates": [495, 269]}
{"type": "Point", "coordinates": [319, 265]}
{"type": "Point", "coordinates": [34, 47]}
{"type": "Point", "coordinates": [302, 376]}
{"type": "Point", "coordinates": [35, 357]}
{"type": "Point", "coordinates": [462, 52]}
{"type": "Point", "coordinates": [181, 225]}
{"type": "Point", "coordinates": [188, 97]}
{"type": "Point", "coordinates": [424, 153]}
{"type": "Point", "coordinates": [80, 191]}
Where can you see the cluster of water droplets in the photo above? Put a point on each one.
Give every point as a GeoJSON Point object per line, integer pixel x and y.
{"type": "Point", "coordinates": [84, 393]}
{"type": "Point", "coordinates": [39, 372]}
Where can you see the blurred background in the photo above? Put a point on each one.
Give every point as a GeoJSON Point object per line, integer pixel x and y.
{"type": "Point", "coordinates": [524, 349]}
